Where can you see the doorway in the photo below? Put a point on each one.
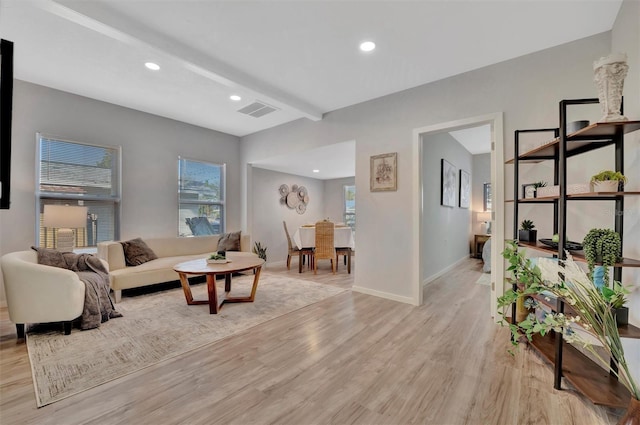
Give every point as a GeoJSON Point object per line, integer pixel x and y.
{"type": "Point", "coordinates": [421, 217]}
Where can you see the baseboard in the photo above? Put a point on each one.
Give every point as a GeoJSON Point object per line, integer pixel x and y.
{"type": "Point", "coordinates": [442, 272]}
{"type": "Point", "coordinates": [380, 294]}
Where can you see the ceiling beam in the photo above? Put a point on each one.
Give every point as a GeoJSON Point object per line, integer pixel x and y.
{"type": "Point", "coordinates": [105, 21]}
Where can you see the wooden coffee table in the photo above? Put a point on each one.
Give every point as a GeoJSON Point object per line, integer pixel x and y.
{"type": "Point", "coordinates": [238, 263]}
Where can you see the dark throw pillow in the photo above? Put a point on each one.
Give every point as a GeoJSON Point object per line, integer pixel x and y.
{"type": "Point", "coordinates": [229, 242]}
{"type": "Point", "coordinates": [137, 252]}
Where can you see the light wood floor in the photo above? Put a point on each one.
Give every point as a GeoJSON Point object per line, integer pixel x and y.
{"type": "Point", "coordinates": [351, 359]}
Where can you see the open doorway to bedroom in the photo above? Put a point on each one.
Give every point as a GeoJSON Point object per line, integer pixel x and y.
{"type": "Point", "coordinates": [459, 191]}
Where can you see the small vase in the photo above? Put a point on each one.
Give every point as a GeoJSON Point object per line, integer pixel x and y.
{"type": "Point", "coordinates": [609, 75]}
{"type": "Point", "coordinates": [632, 415]}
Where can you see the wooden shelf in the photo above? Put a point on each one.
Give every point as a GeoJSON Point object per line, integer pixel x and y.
{"type": "Point", "coordinates": [587, 196]}
{"type": "Point", "coordinates": [625, 331]}
{"type": "Point", "coordinates": [590, 379]}
{"type": "Point", "coordinates": [577, 255]}
{"type": "Point", "coordinates": [579, 142]}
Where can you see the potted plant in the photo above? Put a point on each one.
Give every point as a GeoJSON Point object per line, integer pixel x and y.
{"type": "Point", "coordinates": [592, 312]}
{"type": "Point", "coordinates": [260, 250]}
{"type": "Point", "coordinates": [527, 232]}
{"type": "Point", "coordinates": [602, 246]}
{"type": "Point", "coordinates": [608, 181]}
{"type": "Point", "coordinates": [537, 185]}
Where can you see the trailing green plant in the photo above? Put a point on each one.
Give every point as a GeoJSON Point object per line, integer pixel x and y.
{"type": "Point", "coordinates": [590, 309]}
{"type": "Point", "coordinates": [541, 183]}
{"type": "Point", "coordinates": [604, 245]}
{"type": "Point", "coordinates": [527, 225]}
{"type": "Point", "coordinates": [608, 175]}
{"type": "Point", "coordinates": [260, 250]}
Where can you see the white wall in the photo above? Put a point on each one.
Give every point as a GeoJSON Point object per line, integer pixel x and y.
{"type": "Point", "coordinates": [446, 231]}
{"type": "Point", "coordinates": [526, 89]}
{"type": "Point", "coordinates": [269, 213]}
{"type": "Point", "coordinates": [150, 149]}
{"type": "Point", "coordinates": [481, 175]}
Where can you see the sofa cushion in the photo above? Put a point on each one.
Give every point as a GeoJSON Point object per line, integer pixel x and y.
{"type": "Point", "coordinates": [229, 242]}
{"type": "Point", "coordinates": [137, 252]}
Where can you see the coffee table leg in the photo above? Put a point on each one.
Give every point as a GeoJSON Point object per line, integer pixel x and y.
{"type": "Point", "coordinates": [213, 294]}
{"type": "Point", "coordinates": [227, 282]}
{"type": "Point", "coordinates": [186, 288]}
{"type": "Point", "coordinates": [251, 297]}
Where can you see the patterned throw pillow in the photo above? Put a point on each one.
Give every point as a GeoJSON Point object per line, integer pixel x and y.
{"type": "Point", "coordinates": [229, 242]}
{"type": "Point", "coordinates": [137, 252]}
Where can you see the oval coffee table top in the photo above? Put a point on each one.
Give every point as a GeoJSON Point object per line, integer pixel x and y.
{"type": "Point", "coordinates": [238, 263]}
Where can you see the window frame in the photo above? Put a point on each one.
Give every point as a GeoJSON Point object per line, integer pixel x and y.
{"type": "Point", "coordinates": [344, 205]}
{"type": "Point", "coordinates": [222, 203]}
{"type": "Point", "coordinates": [115, 198]}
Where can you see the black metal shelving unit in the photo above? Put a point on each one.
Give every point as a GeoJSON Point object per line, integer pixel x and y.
{"type": "Point", "coordinates": [588, 378]}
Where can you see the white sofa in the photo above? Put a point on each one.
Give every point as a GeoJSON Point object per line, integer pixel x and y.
{"type": "Point", "coordinates": [40, 294]}
{"type": "Point", "coordinates": [170, 251]}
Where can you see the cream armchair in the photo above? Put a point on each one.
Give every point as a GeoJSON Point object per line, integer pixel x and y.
{"type": "Point", "coordinates": [40, 294]}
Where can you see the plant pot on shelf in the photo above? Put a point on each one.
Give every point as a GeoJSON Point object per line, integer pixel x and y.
{"type": "Point", "coordinates": [622, 315]}
{"type": "Point", "coordinates": [528, 235]}
{"type": "Point", "coordinates": [606, 186]}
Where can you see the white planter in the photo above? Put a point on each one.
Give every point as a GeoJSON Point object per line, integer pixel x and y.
{"type": "Point", "coordinates": [606, 186]}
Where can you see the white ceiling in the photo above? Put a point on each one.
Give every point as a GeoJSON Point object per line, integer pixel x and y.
{"type": "Point", "coordinates": [476, 140]}
{"type": "Point", "coordinates": [300, 56]}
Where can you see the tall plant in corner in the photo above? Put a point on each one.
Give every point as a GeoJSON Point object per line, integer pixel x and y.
{"type": "Point", "coordinates": [593, 312]}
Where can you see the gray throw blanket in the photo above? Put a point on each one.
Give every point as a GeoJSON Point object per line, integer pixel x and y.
{"type": "Point", "coordinates": [98, 306]}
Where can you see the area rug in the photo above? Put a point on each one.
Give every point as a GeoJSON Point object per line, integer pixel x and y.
{"type": "Point", "coordinates": [156, 327]}
{"type": "Point", "coordinates": [485, 279]}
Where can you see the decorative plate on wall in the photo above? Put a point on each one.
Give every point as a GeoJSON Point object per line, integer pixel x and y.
{"type": "Point", "coordinates": [297, 198]}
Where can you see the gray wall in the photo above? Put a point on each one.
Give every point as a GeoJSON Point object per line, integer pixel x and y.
{"type": "Point", "coordinates": [527, 90]}
{"type": "Point", "coordinates": [325, 200]}
{"type": "Point", "coordinates": [446, 230]}
{"type": "Point", "coordinates": [269, 213]}
{"type": "Point", "coordinates": [150, 149]}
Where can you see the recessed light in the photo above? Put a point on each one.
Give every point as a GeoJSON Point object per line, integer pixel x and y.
{"type": "Point", "coordinates": [152, 66]}
{"type": "Point", "coordinates": [367, 46]}
{"type": "Point", "coordinates": [235, 97]}
{"type": "Point", "coordinates": [316, 171]}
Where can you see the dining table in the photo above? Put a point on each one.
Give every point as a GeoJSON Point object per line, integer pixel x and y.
{"type": "Point", "coordinates": [305, 237]}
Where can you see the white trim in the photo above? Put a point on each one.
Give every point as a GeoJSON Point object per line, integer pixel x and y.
{"type": "Point", "coordinates": [497, 187]}
{"type": "Point", "coordinates": [386, 295]}
{"type": "Point", "coordinates": [433, 277]}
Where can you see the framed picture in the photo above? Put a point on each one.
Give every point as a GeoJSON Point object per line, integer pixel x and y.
{"type": "Point", "coordinates": [528, 191]}
{"type": "Point", "coordinates": [465, 189]}
{"type": "Point", "coordinates": [448, 188]}
{"type": "Point", "coordinates": [384, 172]}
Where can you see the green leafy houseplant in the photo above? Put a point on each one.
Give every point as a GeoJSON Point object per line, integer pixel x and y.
{"type": "Point", "coordinates": [608, 175]}
{"type": "Point", "coordinates": [602, 245]}
{"type": "Point", "coordinates": [260, 250]}
{"type": "Point", "coordinates": [540, 184]}
{"type": "Point", "coordinates": [592, 311]}
{"type": "Point", "coordinates": [527, 232]}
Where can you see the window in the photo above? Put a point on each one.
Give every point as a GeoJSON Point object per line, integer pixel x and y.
{"type": "Point", "coordinates": [74, 173]}
{"type": "Point", "coordinates": [350, 206]}
{"type": "Point", "coordinates": [487, 196]}
{"type": "Point", "coordinates": [201, 193]}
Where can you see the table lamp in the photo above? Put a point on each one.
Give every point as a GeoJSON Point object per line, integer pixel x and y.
{"type": "Point", "coordinates": [485, 217]}
{"type": "Point", "coordinates": [65, 218]}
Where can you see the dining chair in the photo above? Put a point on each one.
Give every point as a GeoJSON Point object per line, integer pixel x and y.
{"type": "Point", "coordinates": [324, 249]}
{"type": "Point", "coordinates": [293, 250]}
{"type": "Point", "coordinates": [347, 252]}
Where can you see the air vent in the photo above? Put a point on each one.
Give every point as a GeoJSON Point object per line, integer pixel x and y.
{"type": "Point", "coordinates": [257, 109]}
